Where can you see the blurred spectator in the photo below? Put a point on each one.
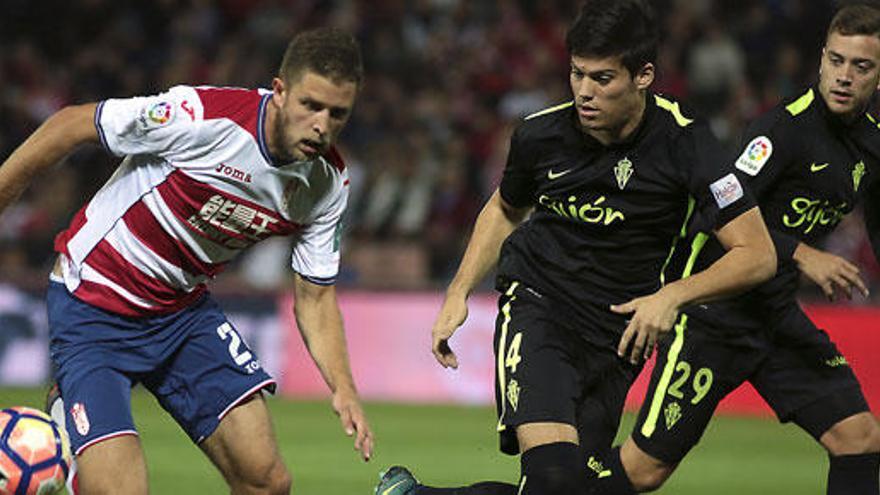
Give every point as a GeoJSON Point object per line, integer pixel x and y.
{"type": "Point", "coordinates": [716, 65]}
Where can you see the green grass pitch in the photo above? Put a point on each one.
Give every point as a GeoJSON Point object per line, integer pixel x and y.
{"type": "Point", "coordinates": [446, 445]}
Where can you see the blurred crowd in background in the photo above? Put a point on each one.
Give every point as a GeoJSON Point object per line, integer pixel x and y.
{"type": "Point", "coordinates": [447, 80]}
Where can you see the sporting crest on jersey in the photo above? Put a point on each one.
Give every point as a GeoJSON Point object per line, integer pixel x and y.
{"type": "Point", "coordinates": [755, 156]}
{"type": "Point", "coordinates": [623, 171]}
{"type": "Point", "coordinates": [857, 174]}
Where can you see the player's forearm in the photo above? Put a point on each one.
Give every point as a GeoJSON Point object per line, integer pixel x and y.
{"type": "Point", "coordinates": [740, 269]}
{"type": "Point", "coordinates": [750, 259]}
{"type": "Point", "coordinates": [320, 324]}
{"type": "Point", "coordinates": [495, 222]}
{"type": "Point", "coordinates": [50, 143]}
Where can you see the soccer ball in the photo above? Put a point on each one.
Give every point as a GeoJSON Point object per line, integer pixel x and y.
{"type": "Point", "coordinates": [34, 453]}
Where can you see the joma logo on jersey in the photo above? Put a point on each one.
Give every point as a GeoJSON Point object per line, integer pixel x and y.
{"type": "Point", "coordinates": [592, 212]}
{"type": "Point", "coordinates": [812, 212]}
{"type": "Point", "coordinates": [233, 172]}
{"type": "Point", "coordinates": [232, 224]}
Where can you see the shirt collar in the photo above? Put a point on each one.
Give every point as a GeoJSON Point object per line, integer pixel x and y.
{"type": "Point", "coordinates": [574, 135]}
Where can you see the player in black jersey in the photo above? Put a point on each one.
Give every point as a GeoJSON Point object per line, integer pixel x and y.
{"type": "Point", "coordinates": [611, 179]}
{"type": "Point", "coordinates": [809, 161]}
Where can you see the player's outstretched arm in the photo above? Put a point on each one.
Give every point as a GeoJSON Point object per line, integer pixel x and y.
{"type": "Point", "coordinates": [750, 259]}
{"type": "Point", "coordinates": [320, 323]}
{"type": "Point", "coordinates": [52, 141]}
{"type": "Point", "coordinates": [495, 222]}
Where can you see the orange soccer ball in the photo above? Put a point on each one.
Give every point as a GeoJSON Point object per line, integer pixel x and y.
{"type": "Point", "coordinates": [34, 453]}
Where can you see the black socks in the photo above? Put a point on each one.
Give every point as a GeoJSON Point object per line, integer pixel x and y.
{"type": "Point", "coordinates": [854, 474]}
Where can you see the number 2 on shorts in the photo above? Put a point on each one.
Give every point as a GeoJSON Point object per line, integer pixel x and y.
{"type": "Point", "coordinates": [225, 330]}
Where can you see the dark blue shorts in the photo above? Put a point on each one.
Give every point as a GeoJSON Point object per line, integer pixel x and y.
{"type": "Point", "coordinates": [193, 361]}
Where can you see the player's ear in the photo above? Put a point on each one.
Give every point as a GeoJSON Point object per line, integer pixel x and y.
{"type": "Point", "coordinates": [278, 91]}
{"type": "Point", "coordinates": [645, 76]}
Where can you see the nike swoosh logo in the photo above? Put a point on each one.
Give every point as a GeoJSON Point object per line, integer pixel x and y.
{"type": "Point", "coordinates": [555, 175]}
{"type": "Point", "coordinates": [392, 487]}
{"type": "Point", "coordinates": [816, 168]}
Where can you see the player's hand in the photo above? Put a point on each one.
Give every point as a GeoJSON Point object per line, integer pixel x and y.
{"type": "Point", "coordinates": [452, 315]}
{"type": "Point", "coordinates": [354, 421]}
{"type": "Point", "coordinates": [651, 315]}
{"type": "Point", "coordinates": [829, 271]}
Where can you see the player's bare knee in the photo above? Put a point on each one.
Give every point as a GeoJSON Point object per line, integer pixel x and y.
{"type": "Point", "coordinates": [281, 481]}
{"type": "Point", "coordinates": [273, 479]}
{"type": "Point", "coordinates": [648, 478]}
{"type": "Point", "coordinates": [858, 434]}
{"type": "Point", "coordinates": [873, 443]}
{"type": "Point", "coordinates": [645, 472]}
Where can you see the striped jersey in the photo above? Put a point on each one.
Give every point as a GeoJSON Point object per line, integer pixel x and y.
{"type": "Point", "coordinates": [197, 185]}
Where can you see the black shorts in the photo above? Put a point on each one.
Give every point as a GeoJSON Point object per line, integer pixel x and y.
{"type": "Point", "coordinates": [547, 372]}
{"type": "Point", "coordinates": [797, 370]}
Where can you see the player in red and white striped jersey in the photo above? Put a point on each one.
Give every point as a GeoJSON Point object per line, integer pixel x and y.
{"type": "Point", "coordinates": [206, 173]}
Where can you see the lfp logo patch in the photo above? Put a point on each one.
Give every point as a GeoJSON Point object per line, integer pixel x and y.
{"type": "Point", "coordinates": [160, 113]}
{"type": "Point", "coordinates": [755, 156]}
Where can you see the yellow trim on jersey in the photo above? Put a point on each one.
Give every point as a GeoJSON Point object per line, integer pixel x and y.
{"type": "Point", "coordinates": [674, 109]}
{"type": "Point", "coordinates": [691, 203]}
{"type": "Point", "coordinates": [502, 341]}
{"type": "Point", "coordinates": [872, 119]}
{"type": "Point", "coordinates": [696, 247]}
{"type": "Point", "coordinates": [802, 103]}
{"type": "Point", "coordinates": [672, 356]}
{"type": "Point", "coordinates": [550, 110]}
{"type": "Point", "coordinates": [671, 359]}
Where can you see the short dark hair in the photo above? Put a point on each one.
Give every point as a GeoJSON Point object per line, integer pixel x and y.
{"type": "Point", "coordinates": [328, 52]}
{"type": "Point", "coordinates": [856, 19]}
{"type": "Point", "coordinates": [608, 28]}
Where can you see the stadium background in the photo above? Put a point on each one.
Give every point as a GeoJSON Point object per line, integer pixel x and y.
{"type": "Point", "coordinates": [446, 82]}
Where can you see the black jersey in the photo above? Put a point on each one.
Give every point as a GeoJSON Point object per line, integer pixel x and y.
{"type": "Point", "coordinates": [606, 217]}
{"type": "Point", "coordinates": [808, 169]}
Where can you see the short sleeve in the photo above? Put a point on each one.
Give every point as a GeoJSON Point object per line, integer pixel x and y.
{"type": "Point", "coordinates": [764, 154]}
{"type": "Point", "coordinates": [316, 253]}
{"type": "Point", "coordinates": [160, 125]}
{"type": "Point", "coordinates": [763, 157]}
{"type": "Point", "coordinates": [720, 194]}
{"type": "Point", "coordinates": [517, 184]}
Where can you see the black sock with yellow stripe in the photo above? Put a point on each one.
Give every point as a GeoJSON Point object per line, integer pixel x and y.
{"type": "Point", "coordinates": [553, 468]}
{"type": "Point", "coordinates": [612, 478]}
{"type": "Point", "coordinates": [547, 469]}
